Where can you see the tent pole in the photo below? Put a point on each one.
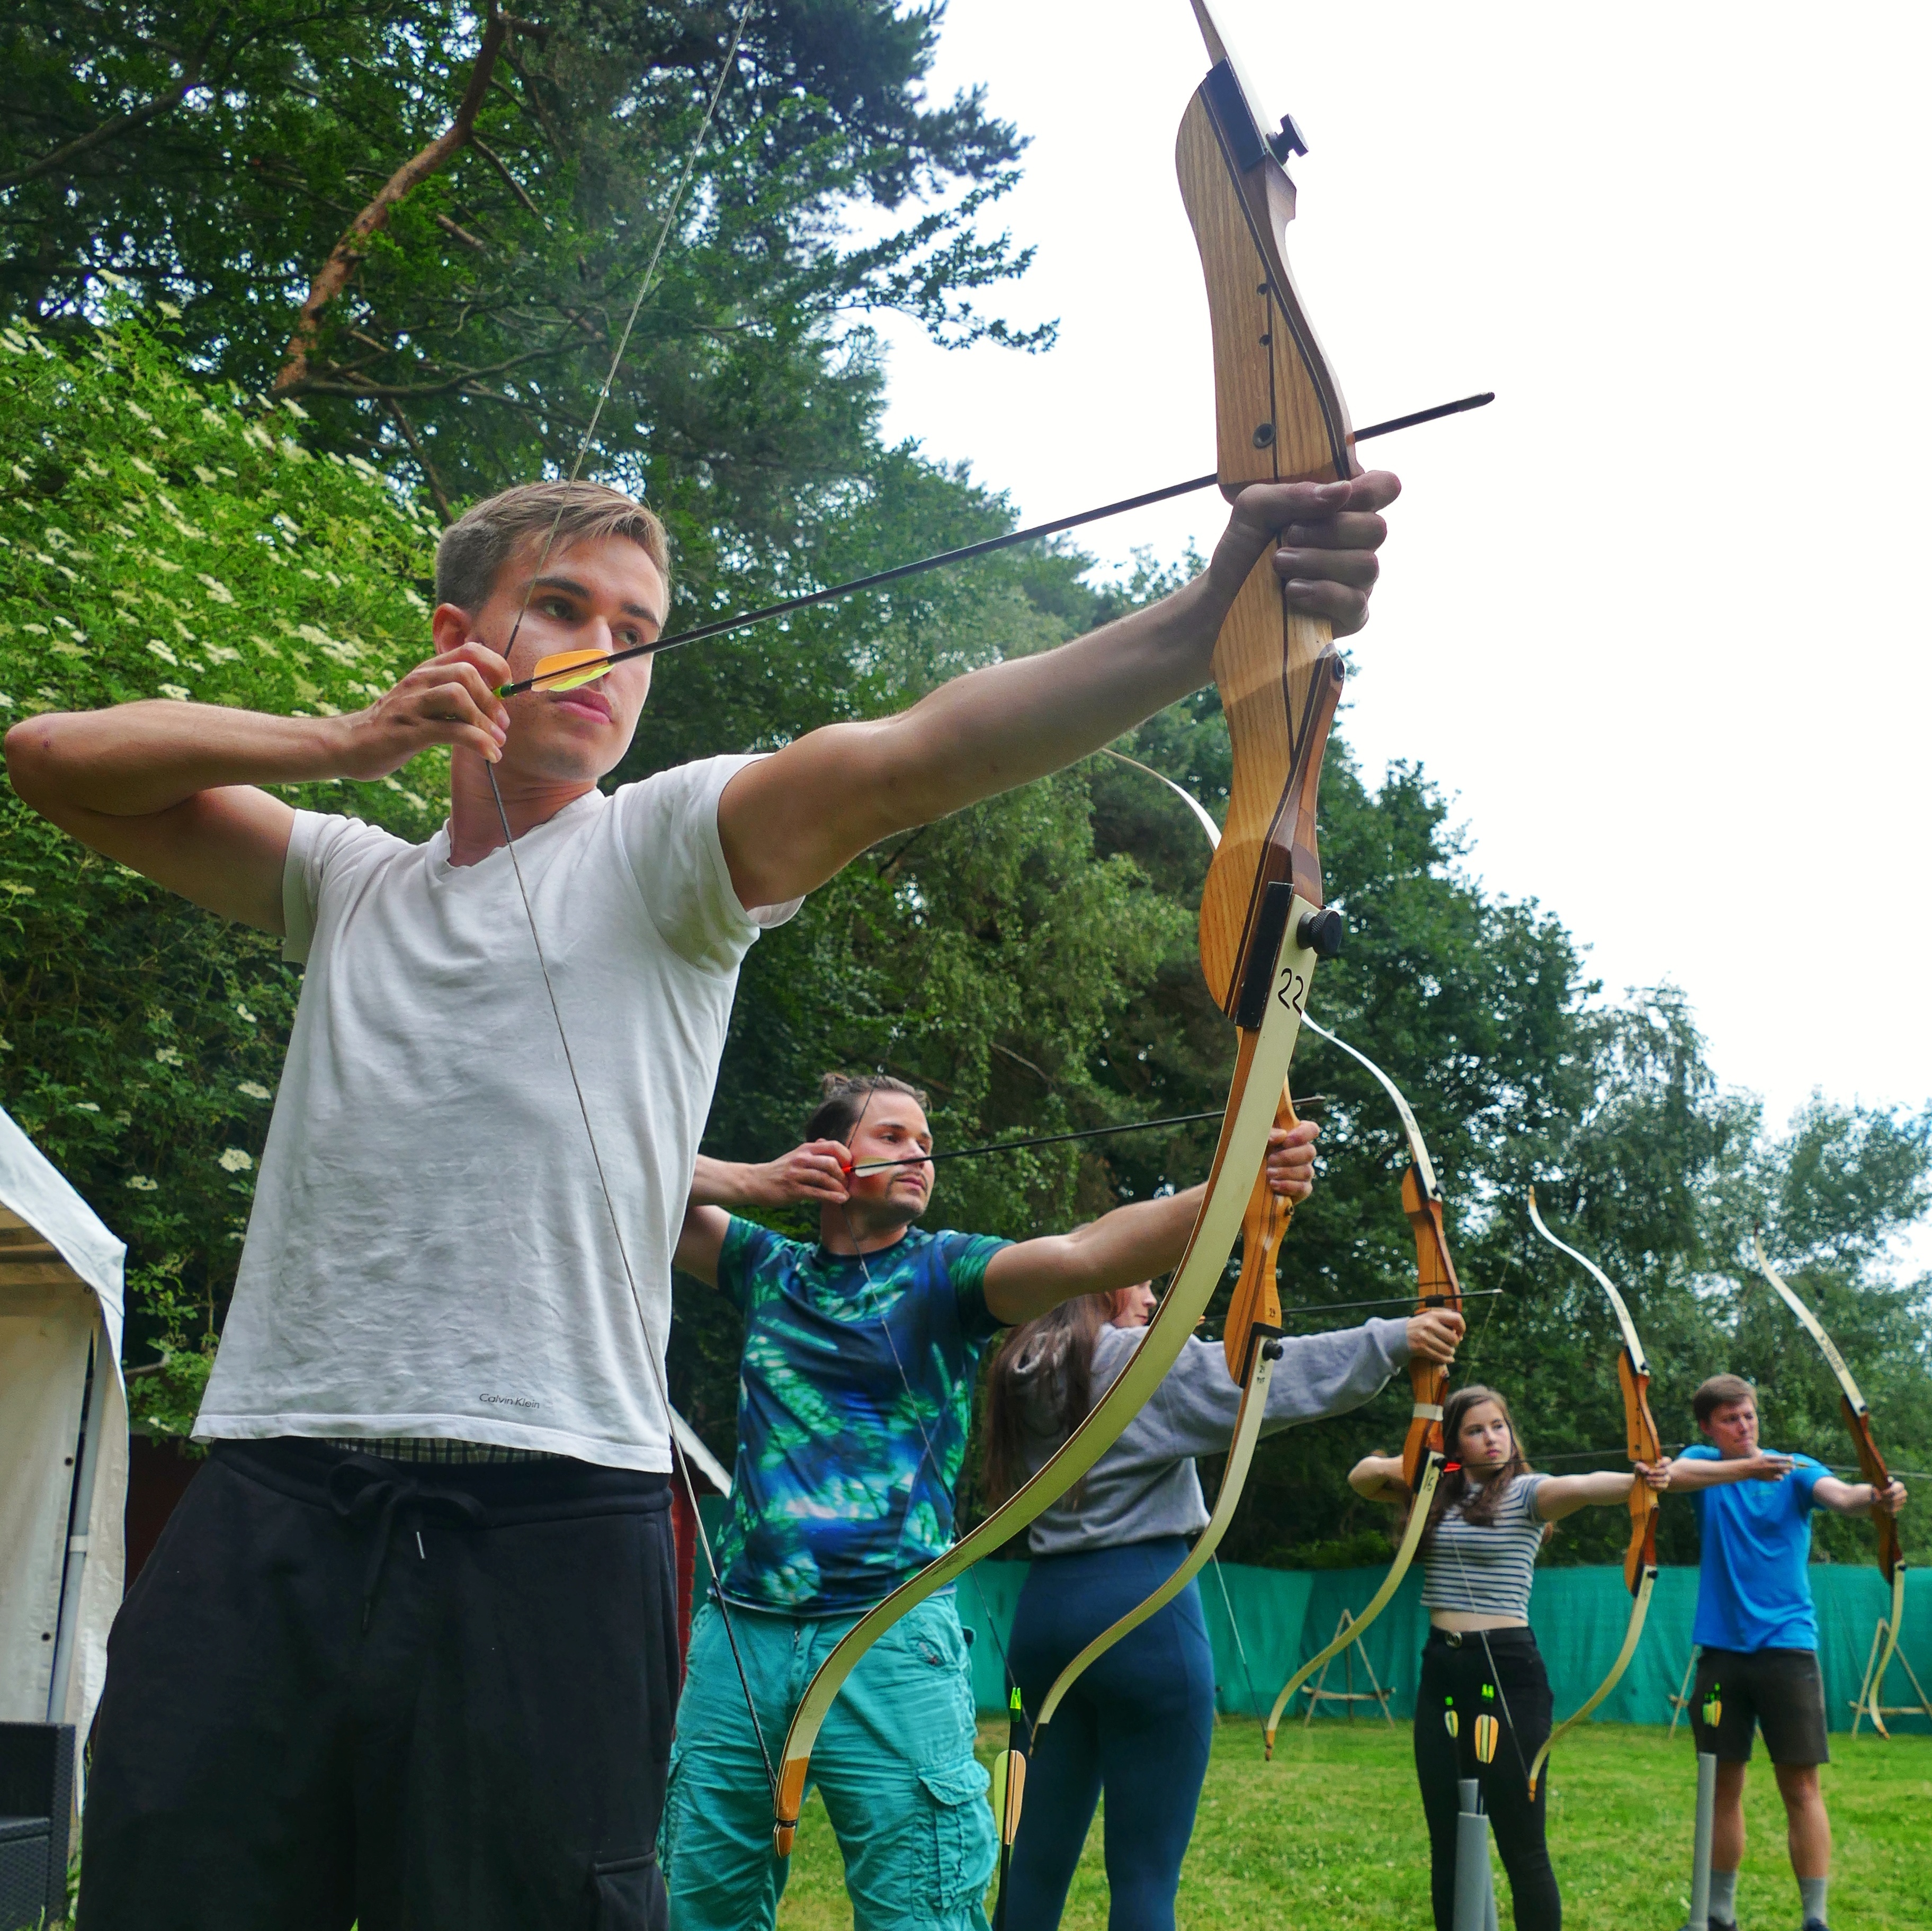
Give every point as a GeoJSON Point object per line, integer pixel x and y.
{"type": "Point", "coordinates": [87, 1456]}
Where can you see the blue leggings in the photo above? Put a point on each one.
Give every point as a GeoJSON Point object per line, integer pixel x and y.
{"type": "Point", "coordinates": [1137, 1725]}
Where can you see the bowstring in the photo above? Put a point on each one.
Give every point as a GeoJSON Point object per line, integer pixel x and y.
{"type": "Point", "coordinates": [680, 1461]}
{"type": "Point", "coordinates": [646, 282]}
{"type": "Point", "coordinates": [679, 1458]}
{"type": "Point", "coordinates": [1159, 1399]}
{"type": "Point", "coordinates": [1240, 1647]}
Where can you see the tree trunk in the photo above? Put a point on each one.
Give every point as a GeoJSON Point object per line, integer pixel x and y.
{"type": "Point", "coordinates": [347, 253]}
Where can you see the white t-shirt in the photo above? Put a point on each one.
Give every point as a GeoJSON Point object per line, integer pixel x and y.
{"type": "Point", "coordinates": [429, 1252]}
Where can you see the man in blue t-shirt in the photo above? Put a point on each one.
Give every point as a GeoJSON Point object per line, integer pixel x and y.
{"type": "Point", "coordinates": [1757, 1631]}
{"type": "Point", "coordinates": [855, 1396]}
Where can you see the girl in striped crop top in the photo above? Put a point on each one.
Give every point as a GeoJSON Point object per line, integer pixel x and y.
{"type": "Point", "coordinates": [1490, 1514]}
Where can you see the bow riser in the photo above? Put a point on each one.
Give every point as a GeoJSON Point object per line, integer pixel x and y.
{"type": "Point", "coordinates": [1256, 1302]}
{"type": "Point", "coordinates": [1436, 1287]}
{"type": "Point", "coordinates": [1278, 417]}
{"type": "Point", "coordinates": [1871, 1466]}
{"type": "Point", "coordinates": [1642, 1443]}
{"type": "Point", "coordinates": [1278, 720]}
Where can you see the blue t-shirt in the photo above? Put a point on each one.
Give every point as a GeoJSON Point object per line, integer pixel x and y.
{"type": "Point", "coordinates": [855, 1394]}
{"type": "Point", "coordinates": [1753, 1593]}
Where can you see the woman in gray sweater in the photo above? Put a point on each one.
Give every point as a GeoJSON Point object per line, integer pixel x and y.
{"type": "Point", "coordinates": [1139, 1723]}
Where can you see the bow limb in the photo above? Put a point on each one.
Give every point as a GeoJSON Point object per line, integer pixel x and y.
{"type": "Point", "coordinates": [1252, 1343]}
{"type": "Point", "coordinates": [1260, 1069]}
{"type": "Point", "coordinates": [1240, 1453]}
{"type": "Point", "coordinates": [1871, 1464]}
{"type": "Point", "coordinates": [1422, 1458]}
{"type": "Point", "coordinates": [1423, 1495]}
{"type": "Point", "coordinates": [1643, 1445]}
{"type": "Point", "coordinates": [1436, 1283]}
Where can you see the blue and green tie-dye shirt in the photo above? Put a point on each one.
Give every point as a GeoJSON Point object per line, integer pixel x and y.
{"type": "Point", "coordinates": [846, 1465]}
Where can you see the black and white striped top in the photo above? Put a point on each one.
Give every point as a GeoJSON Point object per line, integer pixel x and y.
{"type": "Point", "coordinates": [1486, 1570]}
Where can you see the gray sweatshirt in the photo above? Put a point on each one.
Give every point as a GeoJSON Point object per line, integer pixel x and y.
{"type": "Point", "coordinates": [1146, 1485]}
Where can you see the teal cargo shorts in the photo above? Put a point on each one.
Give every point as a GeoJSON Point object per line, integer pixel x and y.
{"type": "Point", "coordinates": [894, 1764]}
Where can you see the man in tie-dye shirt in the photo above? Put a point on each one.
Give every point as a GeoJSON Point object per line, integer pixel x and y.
{"type": "Point", "coordinates": [855, 1396]}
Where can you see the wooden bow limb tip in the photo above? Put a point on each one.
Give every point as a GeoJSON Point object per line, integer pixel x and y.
{"type": "Point", "coordinates": [1643, 1446]}
{"type": "Point", "coordinates": [1852, 1406]}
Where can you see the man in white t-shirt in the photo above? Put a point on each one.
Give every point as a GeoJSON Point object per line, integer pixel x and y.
{"type": "Point", "coordinates": [406, 1651]}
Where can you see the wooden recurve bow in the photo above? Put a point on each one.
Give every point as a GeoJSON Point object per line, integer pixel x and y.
{"type": "Point", "coordinates": [1263, 926]}
{"type": "Point", "coordinates": [1871, 1464]}
{"type": "Point", "coordinates": [1280, 418]}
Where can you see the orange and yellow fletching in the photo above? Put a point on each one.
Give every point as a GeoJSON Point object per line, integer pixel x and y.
{"type": "Point", "coordinates": [568, 668]}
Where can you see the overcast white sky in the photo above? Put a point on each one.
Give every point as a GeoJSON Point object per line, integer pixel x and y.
{"type": "Point", "coordinates": [1657, 618]}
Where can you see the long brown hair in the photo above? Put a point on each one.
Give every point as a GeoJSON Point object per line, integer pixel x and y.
{"type": "Point", "coordinates": [1478, 1501]}
{"type": "Point", "coordinates": [1059, 1343]}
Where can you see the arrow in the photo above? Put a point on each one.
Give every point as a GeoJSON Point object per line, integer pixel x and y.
{"type": "Point", "coordinates": [570, 668]}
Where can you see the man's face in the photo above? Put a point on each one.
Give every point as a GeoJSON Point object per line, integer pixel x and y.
{"type": "Point", "coordinates": [606, 594]}
{"type": "Point", "coordinates": [1734, 1428]}
{"type": "Point", "coordinates": [891, 1128]}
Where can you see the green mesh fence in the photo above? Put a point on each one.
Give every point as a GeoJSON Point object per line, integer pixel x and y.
{"type": "Point", "coordinates": [1280, 1616]}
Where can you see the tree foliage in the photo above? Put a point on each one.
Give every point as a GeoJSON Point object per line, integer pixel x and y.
{"type": "Point", "coordinates": [157, 541]}
{"type": "Point", "coordinates": [217, 154]}
{"type": "Point", "coordinates": [196, 510]}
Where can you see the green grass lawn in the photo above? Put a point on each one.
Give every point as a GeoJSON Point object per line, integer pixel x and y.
{"type": "Point", "coordinates": [1329, 1837]}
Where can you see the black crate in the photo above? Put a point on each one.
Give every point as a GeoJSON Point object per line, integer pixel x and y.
{"type": "Point", "coordinates": [36, 1803]}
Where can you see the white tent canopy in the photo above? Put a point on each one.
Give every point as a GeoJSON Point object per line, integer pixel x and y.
{"type": "Point", "coordinates": [63, 1441]}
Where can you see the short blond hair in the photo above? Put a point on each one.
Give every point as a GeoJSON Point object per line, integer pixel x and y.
{"type": "Point", "coordinates": [489, 535]}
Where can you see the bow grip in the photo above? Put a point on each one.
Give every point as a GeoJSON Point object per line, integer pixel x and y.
{"type": "Point", "coordinates": [1871, 1466]}
{"type": "Point", "coordinates": [1257, 1297]}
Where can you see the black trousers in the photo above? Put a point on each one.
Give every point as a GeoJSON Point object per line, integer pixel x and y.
{"type": "Point", "coordinates": [345, 1690]}
{"type": "Point", "coordinates": [1454, 1670]}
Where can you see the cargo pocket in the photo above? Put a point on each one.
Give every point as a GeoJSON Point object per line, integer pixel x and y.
{"type": "Point", "coordinates": [962, 1843]}
{"type": "Point", "coordinates": [629, 1895]}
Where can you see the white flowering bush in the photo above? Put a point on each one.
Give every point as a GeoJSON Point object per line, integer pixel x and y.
{"type": "Point", "coordinates": [160, 538]}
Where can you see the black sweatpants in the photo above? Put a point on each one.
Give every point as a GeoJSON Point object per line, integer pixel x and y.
{"type": "Point", "coordinates": [1454, 1670]}
{"type": "Point", "coordinates": [345, 1690]}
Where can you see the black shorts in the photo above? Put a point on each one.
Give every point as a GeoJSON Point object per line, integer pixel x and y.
{"type": "Point", "coordinates": [423, 1697]}
{"type": "Point", "coordinates": [1778, 1691]}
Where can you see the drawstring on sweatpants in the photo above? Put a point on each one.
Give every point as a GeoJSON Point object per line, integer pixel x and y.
{"type": "Point", "coordinates": [376, 1500]}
